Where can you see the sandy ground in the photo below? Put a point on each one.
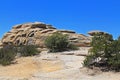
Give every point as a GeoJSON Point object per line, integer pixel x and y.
{"type": "Point", "coordinates": [27, 66]}
{"type": "Point", "coordinates": [23, 68]}
{"type": "Point", "coordinates": [54, 66]}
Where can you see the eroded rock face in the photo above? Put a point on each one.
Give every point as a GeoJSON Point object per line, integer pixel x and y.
{"type": "Point", "coordinates": [36, 33]}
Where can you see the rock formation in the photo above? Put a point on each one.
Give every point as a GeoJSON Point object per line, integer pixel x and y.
{"type": "Point", "coordinates": [36, 33]}
{"type": "Point", "coordinates": [92, 33]}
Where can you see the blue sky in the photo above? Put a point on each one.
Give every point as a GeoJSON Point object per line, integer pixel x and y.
{"type": "Point", "coordinates": [78, 15]}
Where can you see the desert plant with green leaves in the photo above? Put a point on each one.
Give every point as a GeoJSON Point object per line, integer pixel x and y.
{"type": "Point", "coordinates": [28, 50]}
{"type": "Point", "coordinates": [7, 54]}
{"type": "Point", "coordinates": [105, 52]}
{"type": "Point", "coordinates": [58, 42]}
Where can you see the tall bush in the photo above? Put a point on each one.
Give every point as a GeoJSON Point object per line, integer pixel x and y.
{"type": "Point", "coordinates": [105, 52]}
{"type": "Point", "coordinates": [114, 56]}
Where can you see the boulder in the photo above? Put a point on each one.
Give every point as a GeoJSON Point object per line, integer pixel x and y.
{"type": "Point", "coordinates": [92, 33]}
{"type": "Point", "coordinates": [80, 40]}
{"type": "Point", "coordinates": [17, 26]}
{"type": "Point", "coordinates": [50, 26]}
{"type": "Point", "coordinates": [36, 33]}
{"type": "Point", "coordinates": [66, 31]}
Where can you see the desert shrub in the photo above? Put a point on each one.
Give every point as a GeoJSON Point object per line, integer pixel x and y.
{"type": "Point", "coordinates": [114, 56]}
{"type": "Point", "coordinates": [28, 50]}
{"type": "Point", "coordinates": [105, 52]}
{"type": "Point", "coordinates": [7, 54]}
{"type": "Point", "coordinates": [58, 42]}
{"type": "Point", "coordinates": [72, 47]}
{"type": "Point", "coordinates": [88, 60]}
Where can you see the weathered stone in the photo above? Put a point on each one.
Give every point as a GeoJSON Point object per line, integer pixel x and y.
{"type": "Point", "coordinates": [66, 31]}
{"type": "Point", "coordinates": [50, 26]}
{"type": "Point", "coordinates": [92, 33]}
{"type": "Point", "coordinates": [36, 33]}
{"type": "Point", "coordinates": [17, 26]}
{"type": "Point", "coordinates": [79, 40]}
{"type": "Point", "coordinates": [47, 30]}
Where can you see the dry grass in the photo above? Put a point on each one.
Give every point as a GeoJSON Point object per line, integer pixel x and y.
{"type": "Point", "coordinates": [27, 66]}
{"type": "Point", "coordinates": [23, 68]}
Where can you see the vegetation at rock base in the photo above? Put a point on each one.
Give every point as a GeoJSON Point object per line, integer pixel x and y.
{"type": "Point", "coordinates": [7, 54]}
{"type": "Point", "coordinates": [72, 47]}
{"type": "Point", "coordinates": [105, 53]}
{"type": "Point", "coordinates": [58, 42]}
{"type": "Point", "coordinates": [28, 50]}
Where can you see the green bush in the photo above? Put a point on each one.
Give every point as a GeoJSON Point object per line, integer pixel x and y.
{"type": "Point", "coordinates": [28, 50]}
{"type": "Point", "coordinates": [114, 56]}
{"type": "Point", "coordinates": [58, 42]}
{"type": "Point", "coordinates": [7, 55]}
{"type": "Point", "coordinates": [88, 60]}
{"type": "Point", "coordinates": [105, 53]}
{"type": "Point", "coordinates": [72, 47]}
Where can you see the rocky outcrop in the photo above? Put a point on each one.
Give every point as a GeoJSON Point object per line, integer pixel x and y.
{"type": "Point", "coordinates": [92, 33]}
{"type": "Point", "coordinates": [36, 33]}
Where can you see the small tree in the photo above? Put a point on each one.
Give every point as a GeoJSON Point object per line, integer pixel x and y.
{"type": "Point", "coordinates": [100, 45]}
{"type": "Point", "coordinates": [105, 52]}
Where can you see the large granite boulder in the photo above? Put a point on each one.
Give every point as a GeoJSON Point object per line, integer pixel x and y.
{"type": "Point", "coordinates": [36, 33]}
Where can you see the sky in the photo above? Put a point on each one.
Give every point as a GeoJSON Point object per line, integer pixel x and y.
{"type": "Point", "coordinates": [81, 16]}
